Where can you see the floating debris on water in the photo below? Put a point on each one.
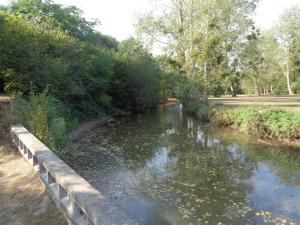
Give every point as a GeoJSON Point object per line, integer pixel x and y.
{"type": "Point", "coordinates": [186, 178]}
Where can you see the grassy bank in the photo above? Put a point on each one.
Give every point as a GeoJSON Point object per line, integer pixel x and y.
{"type": "Point", "coordinates": [260, 121]}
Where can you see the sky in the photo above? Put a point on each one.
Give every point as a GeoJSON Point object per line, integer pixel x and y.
{"type": "Point", "coordinates": [117, 16]}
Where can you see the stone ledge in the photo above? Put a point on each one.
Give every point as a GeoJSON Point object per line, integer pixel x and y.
{"type": "Point", "coordinates": [88, 206]}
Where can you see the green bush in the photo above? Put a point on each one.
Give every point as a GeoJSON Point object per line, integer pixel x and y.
{"type": "Point", "coordinates": [262, 121]}
{"type": "Point", "coordinates": [250, 120]}
{"type": "Point", "coordinates": [267, 121]}
{"type": "Point", "coordinates": [135, 85]}
{"type": "Point", "coordinates": [281, 123]}
{"type": "Point", "coordinates": [192, 107]}
{"type": "Point", "coordinates": [46, 117]}
{"type": "Point", "coordinates": [57, 132]}
{"type": "Point", "coordinates": [219, 116]}
{"type": "Point", "coordinates": [201, 110]}
{"type": "Point", "coordinates": [90, 78]}
{"type": "Point", "coordinates": [39, 122]}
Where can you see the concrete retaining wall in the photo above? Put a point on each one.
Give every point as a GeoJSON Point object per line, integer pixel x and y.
{"type": "Point", "coordinates": [79, 202]}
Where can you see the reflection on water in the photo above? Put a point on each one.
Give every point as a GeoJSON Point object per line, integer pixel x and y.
{"type": "Point", "coordinates": [166, 168]}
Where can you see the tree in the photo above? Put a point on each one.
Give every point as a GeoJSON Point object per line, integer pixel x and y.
{"type": "Point", "coordinates": [135, 84]}
{"type": "Point", "coordinates": [296, 67]}
{"type": "Point", "coordinates": [202, 36]}
{"type": "Point", "coordinates": [67, 18]}
{"type": "Point", "coordinates": [288, 33]}
{"type": "Point", "coordinates": [272, 54]}
{"type": "Point", "coordinates": [252, 59]}
{"type": "Point", "coordinates": [38, 56]}
{"type": "Point", "coordinates": [172, 83]}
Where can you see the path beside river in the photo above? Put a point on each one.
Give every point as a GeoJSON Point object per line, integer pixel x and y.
{"type": "Point", "coordinates": [23, 200]}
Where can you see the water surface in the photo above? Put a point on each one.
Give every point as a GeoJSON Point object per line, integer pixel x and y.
{"type": "Point", "coordinates": [164, 167]}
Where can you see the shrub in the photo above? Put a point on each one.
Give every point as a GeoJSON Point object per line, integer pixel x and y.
{"type": "Point", "coordinates": [250, 120]}
{"type": "Point", "coordinates": [199, 109]}
{"type": "Point", "coordinates": [281, 123]}
{"type": "Point", "coordinates": [262, 121]}
{"type": "Point", "coordinates": [136, 80]}
{"type": "Point", "coordinates": [57, 133]}
{"type": "Point", "coordinates": [39, 123]}
{"type": "Point", "coordinates": [219, 116]}
{"type": "Point", "coordinates": [46, 117]}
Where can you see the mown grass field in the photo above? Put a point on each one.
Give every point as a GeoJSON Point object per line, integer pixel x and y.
{"type": "Point", "coordinates": [289, 103]}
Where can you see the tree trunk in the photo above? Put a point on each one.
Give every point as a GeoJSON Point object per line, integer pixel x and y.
{"type": "Point", "coordinates": [205, 92]}
{"type": "Point", "coordinates": [257, 91]}
{"type": "Point", "coordinates": [288, 82]}
{"type": "Point", "coordinates": [271, 89]}
{"type": "Point", "coordinates": [287, 74]}
{"type": "Point", "coordinates": [232, 87]}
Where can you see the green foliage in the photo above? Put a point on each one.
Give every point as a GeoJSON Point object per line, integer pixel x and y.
{"type": "Point", "coordinates": [201, 110]}
{"type": "Point", "coordinates": [170, 80]}
{"type": "Point", "coordinates": [296, 85]}
{"type": "Point", "coordinates": [22, 111]}
{"type": "Point", "coordinates": [193, 107]}
{"type": "Point", "coordinates": [262, 121]}
{"type": "Point", "coordinates": [67, 18]}
{"type": "Point", "coordinates": [36, 56]}
{"type": "Point", "coordinates": [220, 116]}
{"type": "Point", "coordinates": [39, 121]}
{"type": "Point", "coordinates": [46, 117]}
{"type": "Point", "coordinates": [89, 72]}
{"type": "Point", "coordinates": [74, 72]}
{"type": "Point", "coordinates": [281, 123]}
{"type": "Point", "coordinates": [57, 131]}
{"type": "Point", "coordinates": [135, 84]}
{"type": "Point", "coordinates": [176, 84]}
{"type": "Point", "coordinates": [250, 120]}
{"type": "Point", "coordinates": [198, 36]}
{"type": "Point", "coordinates": [288, 33]}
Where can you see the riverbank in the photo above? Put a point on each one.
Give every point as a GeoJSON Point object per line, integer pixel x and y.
{"type": "Point", "coordinates": [267, 123]}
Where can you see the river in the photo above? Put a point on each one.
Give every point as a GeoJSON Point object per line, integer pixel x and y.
{"type": "Point", "coordinates": [165, 167]}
